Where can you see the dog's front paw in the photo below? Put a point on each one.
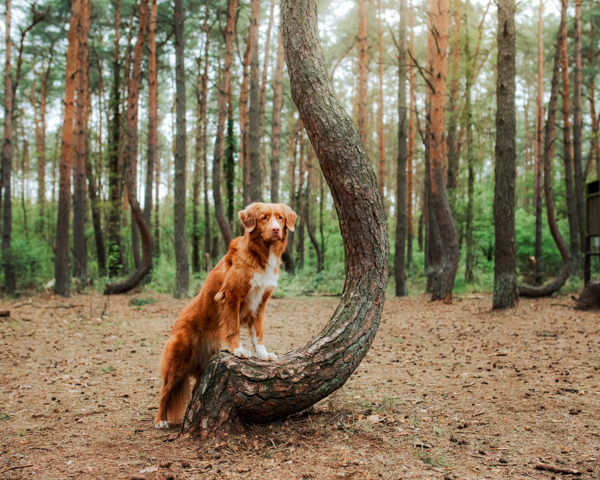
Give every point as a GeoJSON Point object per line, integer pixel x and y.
{"type": "Point", "coordinates": [262, 353]}
{"type": "Point", "coordinates": [162, 424]}
{"type": "Point", "coordinates": [241, 352]}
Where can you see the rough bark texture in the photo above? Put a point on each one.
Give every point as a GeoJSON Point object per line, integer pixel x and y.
{"type": "Point", "coordinates": [567, 157]}
{"type": "Point", "coordinates": [244, 120]}
{"type": "Point", "coordinates": [81, 121]}
{"type": "Point", "coordinates": [152, 150]}
{"type": "Point", "coordinates": [437, 60]}
{"type": "Point", "coordinates": [539, 153]}
{"type": "Point", "coordinates": [411, 154]}
{"type": "Point", "coordinates": [549, 138]}
{"type": "Point", "coordinates": [229, 164]}
{"type": "Point", "coordinates": [265, 71]}
{"type": "Point", "coordinates": [380, 136]}
{"type": "Point", "coordinates": [578, 126]}
{"type": "Point", "coordinates": [182, 275]}
{"type": "Point", "coordinates": [231, 390]}
{"type": "Point", "coordinates": [132, 148]}
{"type": "Point", "coordinates": [276, 122]}
{"type": "Point", "coordinates": [401, 220]}
{"type": "Point", "coordinates": [469, 260]}
{"type": "Point", "coordinates": [115, 260]}
{"type": "Point", "coordinates": [453, 109]}
{"type": "Point", "coordinates": [310, 228]}
{"type": "Point", "coordinates": [363, 61]}
{"type": "Point", "coordinates": [589, 298]}
{"type": "Point", "coordinates": [62, 274]}
{"type": "Point", "coordinates": [254, 110]}
{"type": "Point", "coordinates": [505, 261]}
{"type": "Point", "coordinates": [224, 87]}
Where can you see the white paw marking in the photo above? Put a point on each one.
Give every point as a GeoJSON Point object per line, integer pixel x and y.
{"type": "Point", "coordinates": [241, 352]}
{"type": "Point", "coordinates": [162, 424]}
{"type": "Point", "coordinates": [262, 353]}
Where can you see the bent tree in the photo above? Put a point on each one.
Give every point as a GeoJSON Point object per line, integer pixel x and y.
{"type": "Point", "coordinates": [231, 390]}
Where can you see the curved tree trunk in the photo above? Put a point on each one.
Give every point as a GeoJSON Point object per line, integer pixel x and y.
{"type": "Point", "coordinates": [224, 87]}
{"type": "Point", "coordinates": [231, 390]}
{"type": "Point", "coordinates": [549, 137]}
{"type": "Point", "coordinates": [132, 146]}
{"type": "Point", "coordinates": [505, 259]}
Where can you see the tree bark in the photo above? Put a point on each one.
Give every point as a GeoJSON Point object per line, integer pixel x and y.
{"type": "Point", "coordinates": [229, 165]}
{"type": "Point", "coordinates": [81, 120]}
{"type": "Point", "coordinates": [276, 122]}
{"type": "Point", "coordinates": [380, 137]}
{"type": "Point", "coordinates": [411, 153]}
{"type": "Point", "coordinates": [470, 261]}
{"type": "Point", "coordinates": [453, 108]}
{"type": "Point", "coordinates": [182, 275]}
{"type": "Point", "coordinates": [228, 390]}
{"type": "Point", "coordinates": [254, 110]}
{"type": "Point", "coordinates": [589, 298]}
{"type": "Point", "coordinates": [301, 220]}
{"type": "Point", "coordinates": [567, 157]}
{"type": "Point", "coordinates": [401, 220]}
{"type": "Point", "coordinates": [310, 228]}
{"type": "Point", "coordinates": [437, 45]}
{"type": "Point", "coordinates": [204, 112]}
{"type": "Point", "coordinates": [62, 274]}
{"type": "Point", "coordinates": [244, 121]}
{"type": "Point", "coordinates": [505, 260]}
{"type": "Point", "coordinates": [578, 127]}
{"type": "Point", "coordinates": [132, 147]}
{"type": "Point", "coordinates": [549, 138]}
{"type": "Point", "coordinates": [363, 61]}
{"type": "Point", "coordinates": [115, 259]}
{"type": "Point", "coordinates": [539, 153]}
{"type": "Point", "coordinates": [265, 71]}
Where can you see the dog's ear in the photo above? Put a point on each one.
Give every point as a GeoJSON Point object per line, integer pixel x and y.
{"type": "Point", "coordinates": [248, 217]}
{"type": "Point", "coordinates": [290, 218]}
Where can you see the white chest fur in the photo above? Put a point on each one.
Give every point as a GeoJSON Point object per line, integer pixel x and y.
{"type": "Point", "coordinates": [261, 281]}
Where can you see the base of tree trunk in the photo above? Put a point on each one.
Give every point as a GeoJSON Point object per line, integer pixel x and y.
{"type": "Point", "coordinates": [589, 298]}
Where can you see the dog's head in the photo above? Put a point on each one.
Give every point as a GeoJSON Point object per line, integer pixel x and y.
{"type": "Point", "coordinates": [268, 220]}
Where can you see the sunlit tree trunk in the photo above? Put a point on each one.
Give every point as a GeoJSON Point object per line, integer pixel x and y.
{"type": "Point", "coordinates": [62, 274]}
{"type": "Point", "coordinates": [276, 122]}
{"type": "Point", "coordinates": [567, 148]}
{"type": "Point", "coordinates": [401, 220]}
{"type": "Point", "coordinates": [274, 390]}
{"type": "Point", "coordinates": [363, 61]}
{"type": "Point", "coordinates": [453, 109]}
{"type": "Point", "coordinates": [182, 275]}
{"type": "Point", "coordinates": [539, 153]}
{"type": "Point", "coordinates": [578, 127]}
{"type": "Point", "coordinates": [380, 137]}
{"type": "Point", "coordinates": [81, 120]}
{"type": "Point", "coordinates": [254, 110]}
{"type": "Point", "coordinates": [505, 260]}
{"type": "Point", "coordinates": [437, 60]}
{"type": "Point", "coordinates": [224, 87]}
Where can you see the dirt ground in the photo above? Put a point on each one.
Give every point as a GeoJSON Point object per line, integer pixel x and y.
{"type": "Point", "coordinates": [447, 391]}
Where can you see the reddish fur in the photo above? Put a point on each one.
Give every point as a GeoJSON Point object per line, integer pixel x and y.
{"type": "Point", "coordinates": [215, 315]}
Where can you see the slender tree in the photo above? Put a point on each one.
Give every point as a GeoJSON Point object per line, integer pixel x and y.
{"type": "Point", "coordinates": [578, 126]}
{"type": "Point", "coordinates": [62, 275]}
{"type": "Point", "coordinates": [80, 137]}
{"type": "Point", "coordinates": [363, 61]}
{"type": "Point", "coordinates": [152, 150]}
{"type": "Point", "coordinates": [411, 152]}
{"type": "Point", "coordinates": [401, 220]}
{"type": "Point", "coordinates": [182, 275]}
{"type": "Point", "coordinates": [254, 110]}
{"type": "Point", "coordinates": [380, 136]}
{"type": "Point", "coordinates": [469, 260]}
{"type": "Point", "coordinates": [505, 260]}
{"type": "Point", "coordinates": [244, 118]}
{"type": "Point", "coordinates": [453, 109]}
{"type": "Point", "coordinates": [265, 71]}
{"type": "Point", "coordinates": [437, 59]}
{"type": "Point", "coordinates": [539, 152]}
{"type": "Point", "coordinates": [276, 122]}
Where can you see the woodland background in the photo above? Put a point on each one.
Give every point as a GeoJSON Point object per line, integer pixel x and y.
{"type": "Point", "coordinates": [173, 169]}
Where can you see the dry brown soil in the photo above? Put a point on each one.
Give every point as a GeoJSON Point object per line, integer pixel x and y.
{"type": "Point", "coordinates": [447, 391]}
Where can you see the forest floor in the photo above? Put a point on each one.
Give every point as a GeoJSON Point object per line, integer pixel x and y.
{"type": "Point", "coordinates": [447, 391]}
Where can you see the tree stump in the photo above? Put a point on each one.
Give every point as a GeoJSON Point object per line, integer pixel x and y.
{"type": "Point", "coordinates": [231, 390]}
{"type": "Point", "coordinates": [590, 297]}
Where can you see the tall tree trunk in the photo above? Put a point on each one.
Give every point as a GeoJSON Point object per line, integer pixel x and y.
{"type": "Point", "coordinates": [244, 120]}
{"type": "Point", "coordinates": [539, 153]}
{"type": "Point", "coordinates": [182, 275]}
{"type": "Point", "coordinates": [437, 57]}
{"type": "Point", "coordinates": [115, 259]}
{"type": "Point", "coordinates": [567, 157]}
{"type": "Point", "coordinates": [363, 61]}
{"type": "Point", "coordinates": [276, 122]}
{"type": "Point", "coordinates": [470, 261]}
{"type": "Point", "coordinates": [453, 108]}
{"type": "Point", "coordinates": [380, 137]}
{"type": "Point", "coordinates": [24, 174]}
{"type": "Point", "coordinates": [265, 71]}
{"type": "Point", "coordinates": [132, 150]}
{"type": "Point", "coordinates": [156, 250]}
{"type": "Point", "coordinates": [288, 256]}
{"type": "Point", "coordinates": [301, 221]}
{"type": "Point", "coordinates": [595, 124]}
{"type": "Point", "coordinates": [577, 127]}
{"type": "Point", "coordinates": [310, 229]}
{"type": "Point", "coordinates": [527, 160]}
{"type": "Point", "coordinates": [216, 406]}
{"type": "Point", "coordinates": [224, 87]}
{"type": "Point", "coordinates": [549, 140]}
{"type": "Point", "coordinates": [229, 166]}
{"type": "Point", "coordinates": [152, 152]}
{"type": "Point", "coordinates": [401, 220]}
{"type": "Point", "coordinates": [62, 274]}
{"type": "Point", "coordinates": [81, 120]}
{"type": "Point", "coordinates": [7, 153]}
{"type": "Point", "coordinates": [505, 260]}
{"type": "Point", "coordinates": [204, 114]}
{"type": "Point", "coordinates": [95, 201]}
{"type": "Point", "coordinates": [411, 153]}
{"type": "Point", "coordinates": [254, 110]}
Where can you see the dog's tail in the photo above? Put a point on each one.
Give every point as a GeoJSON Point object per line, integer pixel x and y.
{"type": "Point", "coordinates": [176, 389]}
{"type": "Point", "coordinates": [180, 396]}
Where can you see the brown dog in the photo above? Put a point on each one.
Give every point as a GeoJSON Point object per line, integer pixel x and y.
{"type": "Point", "coordinates": [236, 292]}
